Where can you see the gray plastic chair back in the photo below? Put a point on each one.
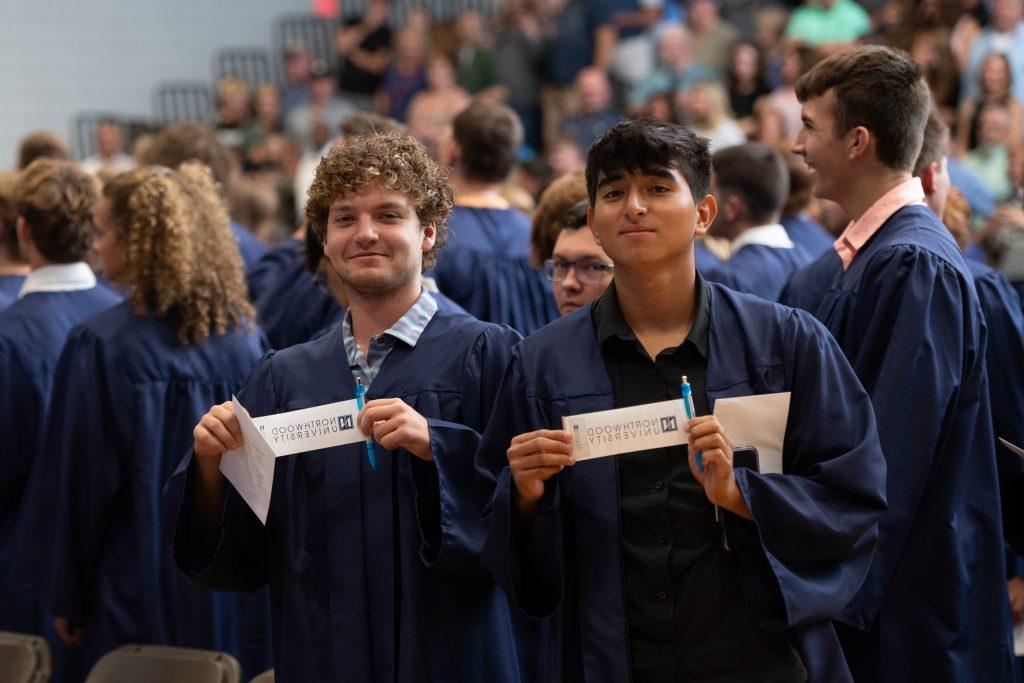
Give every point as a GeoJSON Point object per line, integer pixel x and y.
{"type": "Point", "coordinates": [161, 664]}
{"type": "Point", "coordinates": [24, 658]}
{"type": "Point", "coordinates": [265, 677]}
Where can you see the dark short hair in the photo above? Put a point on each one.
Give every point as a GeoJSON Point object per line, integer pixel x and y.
{"type": "Point", "coordinates": [489, 136]}
{"type": "Point", "coordinates": [647, 145]}
{"type": "Point", "coordinates": [44, 144]}
{"type": "Point", "coordinates": [576, 217]}
{"type": "Point", "coordinates": [179, 143]}
{"type": "Point", "coordinates": [933, 147]}
{"type": "Point", "coordinates": [757, 174]}
{"type": "Point", "coordinates": [879, 88]}
{"type": "Point", "coordinates": [56, 199]}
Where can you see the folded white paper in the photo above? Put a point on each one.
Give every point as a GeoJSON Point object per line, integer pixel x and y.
{"type": "Point", "coordinates": [310, 429]}
{"type": "Point", "coordinates": [626, 430]}
{"type": "Point", "coordinates": [250, 469]}
{"type": "Point", "coordinates": [758, 421]}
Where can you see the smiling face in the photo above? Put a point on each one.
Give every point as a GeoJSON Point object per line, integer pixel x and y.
{"type": "Point", "coordinates": [643, 218]}
{"type": "Point", "coordinates": [822, 148]}
{"type": "Point", "coordinates": [375, 241]}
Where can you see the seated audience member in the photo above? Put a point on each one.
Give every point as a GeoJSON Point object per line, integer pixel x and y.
{"type": "Point", "coordinates": [324, 110]}
{"type": "Point", "coordinates": [233, 112]}
{"type": "Point", "coordinates": [53, 202]}
{"type": "Point", "coordinates": [996, 89]}
{"type": "Point", "coordinates": [897, 295]}
{"type": "Point", "coordinates": [707, 106]}
{"type": "Point", "coordinates": [298, 71]}
{"type": "Point", "coordinates": [712, 36]}
{"type": "Point", "coordinates": [676, 70]}
{"type": "Point", "coordinates": [1004, 231]}
{"type": "Point", "coordinates": [129, 385]}
{"type": "Point", "coordinates": [805, 232]}
{"type": "Point", "coordinates": [181, 142]}
{"type": "Point", "coordinates": [596, 113]}
{"type": "Point", "coordinates": [407, 75]}
{"type": "Point", "coordinates": [1004, 355]}
{"type": "Point", "coordinates": [485, 266]}
{"type": "Point", "coordinates": [477, 65]}
{"type": "Point", "coordinates": [372, 556]}
{"type": "Point", "coordinates": [745, 78]}
{"type": "Point", "coordinates": [750, 185]}
{"type": "Point", "coordinates": [626, 555]}
{"type": "Point", "coordinates": [432, 110]}
{"type": "Point", "coordinates": [363, 44]}
{"type": "Point", "coordinates": [991, 156]}
{"type": "Point", "coordinates": [43, 144]}
{"type": "Point", "coordinates": [579, 269]}
{"type": "Point", "coordinates": [556, 200]}
{"type": "Point", "coordinates": [110, 152]}
{"type": "Point", "coordinates": [828, 23]}
{"type": "Point", "coordinates": [13, 267]}
{"type": "Point", "coordinates": [1004, 32]}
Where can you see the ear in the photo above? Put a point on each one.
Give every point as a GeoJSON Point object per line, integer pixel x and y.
{"type": "Point", "coordinates": [733, 207]}
{"type": "Point", "coordinates": [707, 209]}
{"type": "Point", "coordinates": [590, 224]}
{"type": "Point", "coordinates": [858, 140]}
{"type": "Point", "coordinates": [928, 174]}
{"type": "Point", "coordinates": [429, 236]}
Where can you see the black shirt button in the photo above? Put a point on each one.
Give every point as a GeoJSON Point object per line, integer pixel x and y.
{"type": "Point", "coordinates": [662, 595]}
{"type": "Point", "coordinates": [669, 649]}
{"type": "Point", "coordinates": [658, 484]}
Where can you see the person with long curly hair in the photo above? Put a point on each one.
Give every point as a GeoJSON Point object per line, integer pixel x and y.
{"type": "Point", "coordinates": [372, 556]}
{"type": "Point", "coordinates": [130, 384]}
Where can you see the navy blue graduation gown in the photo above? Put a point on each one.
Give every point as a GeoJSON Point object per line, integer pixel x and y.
{"type": "Point", "coordinates": [815, 527]}
{"type": "Point", "coordinates": [291, 307]}
{"type": "Point", "coordinates": [485, 268]}
{"type": "Point", "coordinates": [249, 246]}
{"type": "Point", "coordinates": [703, 257]}
{"type": "Point", "coordinates": [32, 333]}
{"type": "Point", "coordinates": [1005, 360]}
{"type": "Point", "coordinates": [374, 575]}
{"type": "Point", "coordinates": [10, 285]}
{"type": "Point", "coordinates": [271, 265]}
{"type": "Point", "coordinates": [907, 315]}
{"type": "Point", "coordinates": [758, 269]}
{"type": "Point", "coordinates": [126, 397]}
{"type": "Point", "coordinates": [808, 234]}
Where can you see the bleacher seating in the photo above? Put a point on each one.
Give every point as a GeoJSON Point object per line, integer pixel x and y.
{"type": "Point", "coordinates": [161, 664]}
{"type": "Point", "coordinates": [24, 658]}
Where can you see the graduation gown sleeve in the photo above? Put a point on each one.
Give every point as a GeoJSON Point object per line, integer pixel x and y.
{"type": "Point", "coordinates": [815, 526]}
{"type": "Point", "coordinates": [239, 560]}
{"type": "Point", "coordinates": [448, 504]}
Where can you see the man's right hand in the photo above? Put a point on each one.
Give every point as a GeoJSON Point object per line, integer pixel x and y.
{"type": "Point", "coordinates": [534, 458]}
{"type": "Point", "coordinates": [217, 433]}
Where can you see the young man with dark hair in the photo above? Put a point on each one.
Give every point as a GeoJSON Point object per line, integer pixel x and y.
{"type": "Point", "coordinates": [625, 554]}
{"type": "Point", "coordinates": [373, 570]}
{"type": "Point", "coordinates": [579, 269]}
{"type": "Point", "coordinates": [181, 142]}
{"type": "Point", "coordinates": [53, 201]}
{"type": "Point", "coordinates": [750, 185]}
{"type": "Point", "coordinates": [898, 296]}
{"type": "Point", "coordinates": [486, 266]}
{"type": "Point", "coordinates": [1004, 357]}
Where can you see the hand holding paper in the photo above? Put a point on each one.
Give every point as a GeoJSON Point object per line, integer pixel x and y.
{"type": "Point", "coordinates": [250, 468]}
{"type": "Point", "coordinates": [708, 438]}
{"type": "Point", "coordinates": [534, 458]}
{"type": "Point", "coordinates": [394, 424]}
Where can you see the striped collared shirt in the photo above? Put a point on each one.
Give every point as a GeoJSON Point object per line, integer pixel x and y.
{"type": "Point", "coordinates": [407, 329]}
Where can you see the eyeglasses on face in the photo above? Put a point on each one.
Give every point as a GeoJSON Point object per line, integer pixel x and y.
{"type": "Point", "coordinates": [588, 270]}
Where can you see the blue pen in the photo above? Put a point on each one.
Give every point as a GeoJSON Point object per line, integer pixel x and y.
{"type": "Point", "coordinates": [690, 414]}
{"type": "Point", "coordinates": [360, 402]}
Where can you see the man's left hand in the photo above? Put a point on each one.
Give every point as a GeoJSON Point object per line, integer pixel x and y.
{"type": "Point", "coordinates": [718, 479]}
{"type": "Point", "coordinates": [395, 425]}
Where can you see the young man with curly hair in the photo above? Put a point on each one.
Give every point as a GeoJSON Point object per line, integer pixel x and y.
{"type": "Point", "coordinates": [53, 201]}
{"type": "Point", "coordinates": [897, 295]}
{"type": "Point", "coordinates": [374, 573]}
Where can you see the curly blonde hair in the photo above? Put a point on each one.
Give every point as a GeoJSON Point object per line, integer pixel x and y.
{"type": "Point", "coordinates": [397, 163]}
{"type": "Point", "coordinates": [180, 256]}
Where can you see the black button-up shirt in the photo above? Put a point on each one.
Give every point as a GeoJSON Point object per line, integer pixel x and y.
{"type": "Point", "coordinates": [687, 620]}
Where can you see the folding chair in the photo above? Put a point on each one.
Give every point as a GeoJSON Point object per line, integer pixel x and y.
{"type": "Point", "coordinates": [182, 101]}
{"type": "Point", "coordinates": [162, 664]}
{"type": "Point", "coordinates": [265, 677]}
{"type": "Point", "coordinates": [24, 658]}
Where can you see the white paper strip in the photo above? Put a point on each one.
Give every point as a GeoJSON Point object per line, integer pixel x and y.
{"type": "Point", "coordinates": [250, 469]}
{"type": "Point", "coordinates": [626, 430]}
{"type": "Point", "coordinates": [310, 429]}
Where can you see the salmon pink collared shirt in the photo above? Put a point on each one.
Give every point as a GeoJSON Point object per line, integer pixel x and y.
{"type": "Point", "coordinates": [858, 232]}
